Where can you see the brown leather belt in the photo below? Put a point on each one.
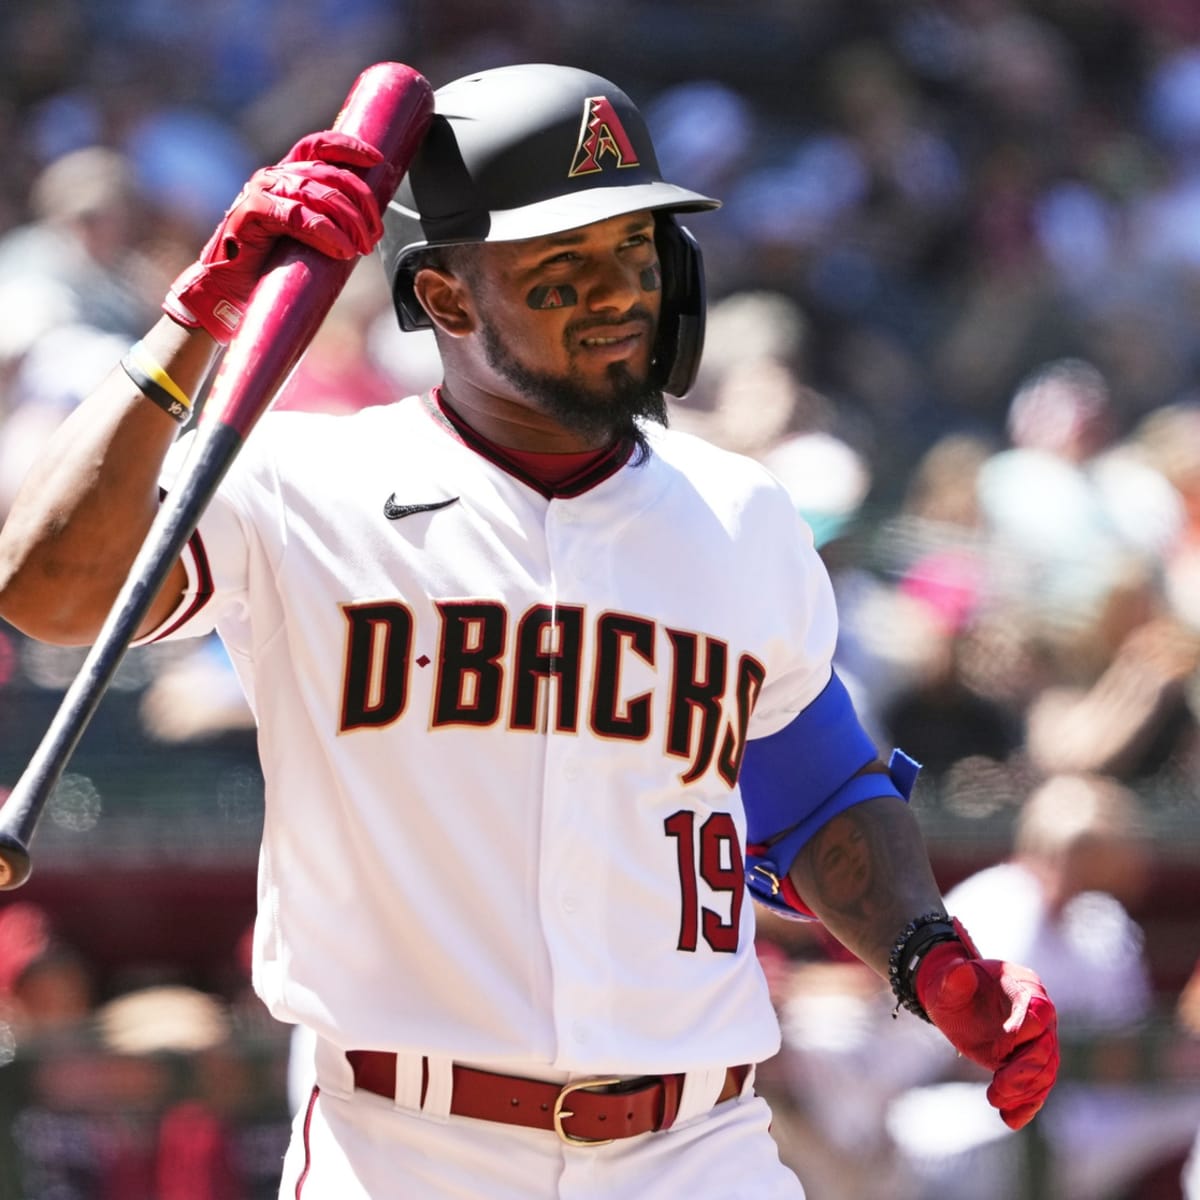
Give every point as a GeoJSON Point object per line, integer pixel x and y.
{"type": "Point", "coordinates": [598, 1110]}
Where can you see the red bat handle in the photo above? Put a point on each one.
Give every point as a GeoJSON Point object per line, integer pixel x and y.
{"type": "Point", "coordinates": [389, 107]}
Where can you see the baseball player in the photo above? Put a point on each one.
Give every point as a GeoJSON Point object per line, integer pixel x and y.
{"type": "Point", "coordinates": [542, 688]}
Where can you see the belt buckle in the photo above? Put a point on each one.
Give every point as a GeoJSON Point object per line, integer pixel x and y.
{"type": "Point", "coordinates": [561, 1114]}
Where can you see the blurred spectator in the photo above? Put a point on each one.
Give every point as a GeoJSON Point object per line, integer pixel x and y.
{"type": "Point", "coordinates": [341, 372]}
{"type": "Point", "coordinates": [195, 1154]}
{"type": "Point", "coordinates": [188, 163]}
{"type": "Point", "coordinates": [71, 296]}
{"type": "Point", "coordinates": [1071, 516]}
{"type": "Point", "coordinates": [941, 491]}
{"type": "Point", "coordinates": [79, 245]}
{"type": "Point", "coordinates": [748, 392]}
{"type": "Point", "coordinates": [703, 130]}
{"type": "Point", "coordinates": [46, 987]}
{"type": "Point", "coordinates": [1079, 861]}
{"type": "Point", "coordinates": [941, 716]}
{"type": "Point", "coordinates": [826, 479]}
{"type": "Point", "coordinates": [944, 711]}
{"type": "Point", "coordinates": [946, 672]}
{"type": "Point", "coordinates": [1102, 539]}
{"type": "Point", "coordinates": [1080, 858]}
{"type": "Point", "coordinates": [195, 696]}
{"type": "Point", "coordinates": [1169, 441]}
{"type": "Point", "coordinates": [50, 374]}
{"type": "Point", "coordinates": [1136, 721]}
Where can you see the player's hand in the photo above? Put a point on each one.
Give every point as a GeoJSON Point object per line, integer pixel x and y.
{"type": "Point", "coordinates": [998, 1015]}
{"type": "Point", "coordinates": [311, 195]}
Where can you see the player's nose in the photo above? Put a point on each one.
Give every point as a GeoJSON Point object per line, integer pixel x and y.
{"type": "Point", "coordinates": [612, 286]}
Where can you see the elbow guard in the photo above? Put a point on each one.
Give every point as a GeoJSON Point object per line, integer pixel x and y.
{"type": "Point", "coordinates": [796, 780]}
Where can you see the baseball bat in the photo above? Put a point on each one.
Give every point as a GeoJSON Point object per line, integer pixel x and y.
{"type": "Point", "coordinates": [390, 107]}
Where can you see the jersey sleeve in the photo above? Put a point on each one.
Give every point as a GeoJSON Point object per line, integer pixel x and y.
{"type": "Point", "coordinates": [795, 580]}
{"type": "Point", "coordinates": [807, 757]}
{"type": "Point", "coordinates": [217, 555]}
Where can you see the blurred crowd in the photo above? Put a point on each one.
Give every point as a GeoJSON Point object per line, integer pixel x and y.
{"type": "Point", "coordinates": [873, 1107]}
{"type": "Point", "coordinates": [160, 1090]}
{"type": "Point", "coordinates": [955, 307]}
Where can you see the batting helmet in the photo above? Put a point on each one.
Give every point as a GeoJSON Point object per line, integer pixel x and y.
{"type": "Point", "coordinates": [523, 151]}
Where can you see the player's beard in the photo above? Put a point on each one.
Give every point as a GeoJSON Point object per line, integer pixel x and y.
{"type": "Point", "coordinates": [604, 414]}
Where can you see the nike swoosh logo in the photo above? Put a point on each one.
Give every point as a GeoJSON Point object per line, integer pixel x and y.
{"type": "Point", "coordinates": [394, 511]}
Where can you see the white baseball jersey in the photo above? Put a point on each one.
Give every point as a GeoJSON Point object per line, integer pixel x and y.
{"type": "Point", "coordinates": [501, 733]}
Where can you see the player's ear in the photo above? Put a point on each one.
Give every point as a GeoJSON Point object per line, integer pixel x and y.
{"type": "Point", "coordinates": [447, 299]}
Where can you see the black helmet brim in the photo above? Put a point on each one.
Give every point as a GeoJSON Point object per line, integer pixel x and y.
{"type": "Point", "coordinates": [562, 213]}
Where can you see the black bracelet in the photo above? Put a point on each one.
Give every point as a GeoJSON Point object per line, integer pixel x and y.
{"type": "Point", "coordinates": [155, 384]}
{"type": "Point", "coordinates": [908, 950]}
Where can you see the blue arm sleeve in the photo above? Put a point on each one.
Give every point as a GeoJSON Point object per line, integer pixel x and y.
{"type": "Point", "coordinates": [797, 779]}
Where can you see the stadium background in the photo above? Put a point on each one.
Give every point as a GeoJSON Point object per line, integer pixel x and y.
{"type": "Point", "coordinates": [925, 204]}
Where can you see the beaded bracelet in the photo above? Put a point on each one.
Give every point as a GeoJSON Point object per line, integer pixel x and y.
{"type": "Point", "coordinates": [155, 384]}
{"type": "Point", "coordinates": [909, 948]}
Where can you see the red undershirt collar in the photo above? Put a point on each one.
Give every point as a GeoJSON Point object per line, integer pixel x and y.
{"type": "Point", "coordinates": [561, 475]}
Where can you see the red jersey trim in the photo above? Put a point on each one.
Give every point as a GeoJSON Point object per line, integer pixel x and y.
{"type": "Point", "coordinates": [204, 590]}
{"type": "Point", "coordinates": [204, 585]}
{"type": "Point", "coordinates": [308, 1117]}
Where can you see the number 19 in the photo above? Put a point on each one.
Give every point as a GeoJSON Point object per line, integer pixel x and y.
{"type": "Point", "coordinates": [720, 866]}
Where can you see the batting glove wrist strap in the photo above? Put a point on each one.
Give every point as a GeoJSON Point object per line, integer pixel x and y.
{"type": "Point", "coordinates": [313, 196]}
{"type": "Point", "coordinates": [908, 952]}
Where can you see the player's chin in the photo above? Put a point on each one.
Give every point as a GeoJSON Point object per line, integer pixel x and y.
{"type": "Point", "coordinates": [625, 377]}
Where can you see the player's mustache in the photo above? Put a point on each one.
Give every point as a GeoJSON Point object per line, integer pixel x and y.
{"type": "Point", "coordinates": [583, 328]}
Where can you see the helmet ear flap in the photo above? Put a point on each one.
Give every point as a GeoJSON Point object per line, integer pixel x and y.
{"type": "Point", "coordinates": [681, 322]}
{"type": "Point", "coordinates": [409, 310]}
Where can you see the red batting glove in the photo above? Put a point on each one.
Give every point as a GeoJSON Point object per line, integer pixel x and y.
{"type": "Point", "coordinates": [309, 196]}
{"type": "Point", "coordinates": [998, 1015]}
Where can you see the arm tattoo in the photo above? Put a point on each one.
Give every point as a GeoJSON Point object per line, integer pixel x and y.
{"type": "Point", "coordinates": [866, 874]}
{"type": "Point", "coordinates": [847, 864]}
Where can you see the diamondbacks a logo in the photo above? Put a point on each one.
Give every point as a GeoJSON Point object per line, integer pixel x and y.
{"type": "Point", "coordinates": [601, 134]}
